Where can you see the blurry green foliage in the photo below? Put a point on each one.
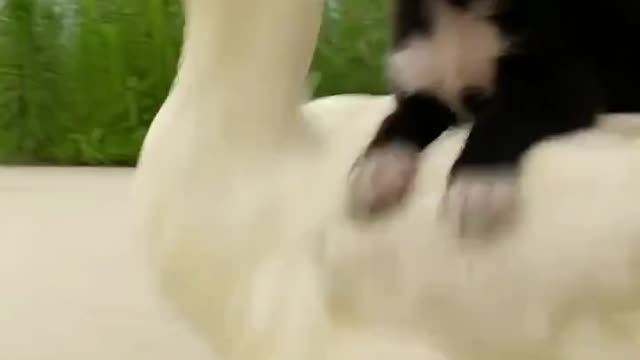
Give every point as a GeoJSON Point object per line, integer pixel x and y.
{"type": "Point", "coordinates": [80, 80]}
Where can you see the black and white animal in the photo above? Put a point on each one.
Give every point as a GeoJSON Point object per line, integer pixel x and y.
{"type": "Point", "coordinates": [520, 70]}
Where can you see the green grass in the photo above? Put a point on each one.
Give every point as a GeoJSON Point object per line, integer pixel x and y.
{"type": "Point", "coordinates": [80, 80]}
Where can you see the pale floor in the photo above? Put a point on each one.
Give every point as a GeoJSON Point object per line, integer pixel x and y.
{"type": "Point", "coordinates": [72, 282]}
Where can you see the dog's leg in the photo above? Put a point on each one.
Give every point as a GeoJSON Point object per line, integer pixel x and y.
{"type": "Point", "coordinates": [536, 97]}
{"type": "Point", "coordinates": [384, 174]}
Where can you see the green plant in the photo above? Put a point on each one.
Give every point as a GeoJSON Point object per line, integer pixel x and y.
{"type": "Point", "coordinates": [80, 80]}
{"type": "Point", "coordinates": [349, 57]}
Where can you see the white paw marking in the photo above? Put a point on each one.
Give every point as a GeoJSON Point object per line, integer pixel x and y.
{"type": "Point", "coordinates": [381, 179]}
{"type": "Point", "coordinates": [461, 51]}
{"type": "Point", "coordinates": [477, 204]}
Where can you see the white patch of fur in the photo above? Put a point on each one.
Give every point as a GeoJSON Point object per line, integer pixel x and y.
{"type": "Point", "coordinates": [460, 52]}
{"type": "Point", "coordinates": [478, 204]}
{"type": "Point", "coordinates": [382, 179]}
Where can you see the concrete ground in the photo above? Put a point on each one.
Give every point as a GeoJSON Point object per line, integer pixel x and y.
{"type": "Point", "coordinates": [73, 284]}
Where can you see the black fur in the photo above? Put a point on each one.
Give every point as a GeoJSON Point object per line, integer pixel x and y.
{"type": "Point", "coordinates": [570, 60]}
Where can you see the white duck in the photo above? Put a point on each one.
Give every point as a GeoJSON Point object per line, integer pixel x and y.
{"type": "Point", "coordinates": [240, 195]}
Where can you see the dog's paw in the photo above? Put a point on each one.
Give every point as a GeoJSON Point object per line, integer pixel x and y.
{"type": "Point", "coordinates": [479, 203]}
{"type": "Point", "coordinates": [381, 179]}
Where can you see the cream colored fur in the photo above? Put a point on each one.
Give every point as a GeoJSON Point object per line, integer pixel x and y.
{"type": "Point", "coordinates": [240, 196]}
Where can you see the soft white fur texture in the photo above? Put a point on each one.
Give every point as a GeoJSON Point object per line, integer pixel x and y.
{"type": "Point", "coordinates": [241, 198]}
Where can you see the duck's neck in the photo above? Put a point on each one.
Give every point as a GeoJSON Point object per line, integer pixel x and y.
{"type": "Point", "coordinates": [244, 64]}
